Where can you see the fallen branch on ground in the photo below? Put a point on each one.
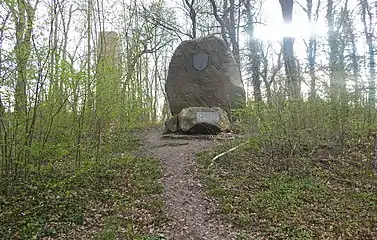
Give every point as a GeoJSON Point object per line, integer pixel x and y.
{"type": "Point", "coordinates": [223, 153]}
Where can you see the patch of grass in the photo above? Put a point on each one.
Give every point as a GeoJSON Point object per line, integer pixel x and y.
{"type": "Point", "coordinates": [315, 195]}
{"type": "Point", "coordinates": [113, 199]}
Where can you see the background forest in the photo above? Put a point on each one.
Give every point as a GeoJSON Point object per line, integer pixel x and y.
{"type": "Point", "coordinates": [79, 78]}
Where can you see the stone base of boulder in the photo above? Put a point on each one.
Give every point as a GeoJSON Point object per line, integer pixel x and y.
{"type": "Point", "coordinates": [199, 120]}
{"type": "Point", "coordinates": [220, 137]}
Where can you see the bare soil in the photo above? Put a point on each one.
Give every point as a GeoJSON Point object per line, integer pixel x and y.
{"type": "Point", "coordinates": [192, 215]}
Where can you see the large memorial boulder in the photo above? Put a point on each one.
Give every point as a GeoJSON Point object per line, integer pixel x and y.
{"type": "Point", "coordinates": [199, 120]}
{"type": "Point", "coordinates": [203, 73]}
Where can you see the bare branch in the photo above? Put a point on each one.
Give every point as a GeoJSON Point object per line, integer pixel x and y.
{"type": "Point", "coordinates": [220, 21]}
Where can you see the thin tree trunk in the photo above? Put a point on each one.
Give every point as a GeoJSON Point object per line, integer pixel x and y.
{"type": "Point", "coordinates": [87, 86]}
{"type": "Point", "coordinates": [232, 33]}
{"type": "Point", "coordinates": [332, 39]}
{"type": "Point", "coordinates": [355, 70]}
{"type": "Point", "coordinates": [369, 40]}
{"type": "Point", "coordinates": [312, 48]}
{"type": "Point", "coordinates": [24, 19]}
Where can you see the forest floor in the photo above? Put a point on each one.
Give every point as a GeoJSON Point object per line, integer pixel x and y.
{"type": "Point", "coordinates": [118, 197]}
{"type": "Point", "coordinates": [192, 214]}
{"type": "Point", "coordinates": [260, 193]}
{"type": "Point", "coordinates": [322, 192]}
{"type": "Point", "coordinates": [152, 188]}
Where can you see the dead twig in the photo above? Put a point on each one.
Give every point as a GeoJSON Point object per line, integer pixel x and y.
{"type": "Point", "coordinates": [223, 153]}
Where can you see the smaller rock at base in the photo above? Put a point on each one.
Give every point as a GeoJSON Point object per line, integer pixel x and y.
{"type": "Point", "coordinates": [171, 125]}
{"type": "Point", "coordinates": [203, 120]}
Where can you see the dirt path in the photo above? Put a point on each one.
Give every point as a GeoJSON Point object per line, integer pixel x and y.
{"type": "Point", "coordinates": [190, 211]}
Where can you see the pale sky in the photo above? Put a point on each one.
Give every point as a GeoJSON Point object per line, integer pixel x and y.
{"type": "Point", "coordinates": [300, 27]}
{"type": "Point", "coordinates": [273, 29]}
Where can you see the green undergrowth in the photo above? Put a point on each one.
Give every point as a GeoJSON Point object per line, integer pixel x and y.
{"type": "Point", "coordinates": [308, 172]}
{"type": "Point", "coordinates": [310, 196]}
{"type": "Point", "coordinates": [113, 199]}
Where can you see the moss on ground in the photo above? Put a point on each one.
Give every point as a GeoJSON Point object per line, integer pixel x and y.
{"type": "Point", "coordinates": [115, 199]}
{"type": "Point", "coordinates": [311, 195]}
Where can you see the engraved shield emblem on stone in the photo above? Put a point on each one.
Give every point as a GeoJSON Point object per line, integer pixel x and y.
{"type": "Point", "coordinates": [200, 61]}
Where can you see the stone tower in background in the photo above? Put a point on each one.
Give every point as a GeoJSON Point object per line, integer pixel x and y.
{"type": "Point", "coordinates": [108, 75]}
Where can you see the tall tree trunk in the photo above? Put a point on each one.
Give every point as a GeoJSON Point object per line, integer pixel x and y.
{"type": "Point", "coordinates": [255, 49]}
{"type": "Point", "coordinates": [293, 81]}
{"type": "Point", "coordinates": [86, 87]}
{"type": "Point", "coordinates": [220, 21]}
{"type": "Point", "coordinates": [312, 47]}
{"type": "Point", "coordinates": [264, 75]}
{"type": "Point", "coordinates": [355, 69]}
{"type": "Point", "coordinates": [368, 31]}
{"type": "Point", "coordinates": [4, 127]}
{"type": "Point", "coordinates": [337, 44]}
{"type": "Point", "coordinates": [233, 33]}
{"type": "Point", "coordinates": [24, 20]}
{"type": "Point", "coordinates": [333, 44]}
{"type": "Point", "coordinates": [192, 14]}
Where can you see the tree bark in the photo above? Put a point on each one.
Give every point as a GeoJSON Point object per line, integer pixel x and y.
{"type": "Point", "coordinates": [368, 31]}
{"type": "Point", "coordinates": [293, 81]}
{"type": "Point", "coordinates": [312, 47]}
{"type": "Point", "coordinates": [255, 59]}
{"type": "Point", "coordinates": [192, 14]}
{"type": "Point", "coordinates": [232, 33]}
{"type": "Point", "coordinates": [220, 21]}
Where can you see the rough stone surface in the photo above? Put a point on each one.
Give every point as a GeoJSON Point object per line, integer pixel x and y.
{"type": "Point", "coordinates": [203, 73]}
{"type": "Point", "coordinates": [171, 125]}
{"type": "Point", "coordinates": [196, 120]}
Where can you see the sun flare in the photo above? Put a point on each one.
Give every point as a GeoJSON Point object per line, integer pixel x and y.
{"type": "Point", "coordinates": [302, 29]}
